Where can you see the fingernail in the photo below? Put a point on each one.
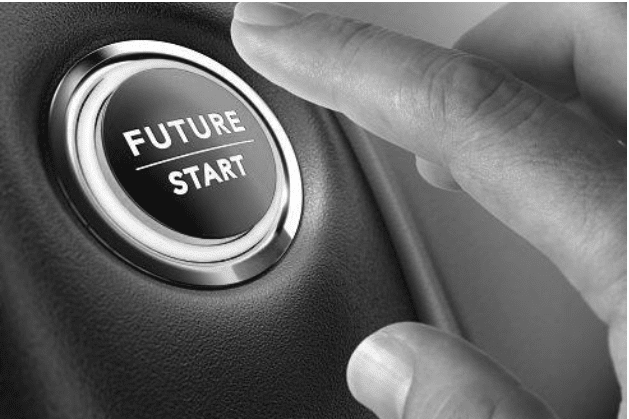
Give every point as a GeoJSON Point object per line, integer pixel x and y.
{"type": "Point", "coordinates": [380, 373]}
{"type": "Point", "coordinates": [266, 14]}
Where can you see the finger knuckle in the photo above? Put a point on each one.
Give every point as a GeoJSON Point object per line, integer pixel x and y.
{"type": "Point", "coordinates": [481, 104]}
{"type": "Point", "coordinates": [469, 89]}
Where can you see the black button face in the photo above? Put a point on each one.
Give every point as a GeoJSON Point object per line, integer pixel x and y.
{"type": "Point", "coordinates": [190, 152]}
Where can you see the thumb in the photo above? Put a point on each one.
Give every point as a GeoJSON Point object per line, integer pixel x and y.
{"type": "Point", "coordinates": [409, 370]}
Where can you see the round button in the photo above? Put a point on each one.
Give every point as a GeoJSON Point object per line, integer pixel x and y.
{"type": "Point", "coordinates": [175, 163]}
{"type": "Point", "coordinates": [191, 152]}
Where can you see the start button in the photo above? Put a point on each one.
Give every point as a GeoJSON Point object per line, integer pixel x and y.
{"type": "Point", "coordinates": [175, 163]}
{"type": "Point", "coordinates": [191, 152]}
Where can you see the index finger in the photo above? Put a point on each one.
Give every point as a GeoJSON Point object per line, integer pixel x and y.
{"type": "Point", "coordinates": [549, 175]}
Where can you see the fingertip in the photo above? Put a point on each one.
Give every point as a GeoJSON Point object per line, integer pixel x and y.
{"type": "Point", "coordinates": [264, 35]}
{"type": "Point", "coordinates": [251, 43]}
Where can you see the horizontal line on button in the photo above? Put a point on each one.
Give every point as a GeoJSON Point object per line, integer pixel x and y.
{"type": "Point", "coordinates": [157, 163]}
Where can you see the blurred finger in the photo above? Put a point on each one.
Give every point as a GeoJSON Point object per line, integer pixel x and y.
{"type": "Point", "coordinates": [409, 370]}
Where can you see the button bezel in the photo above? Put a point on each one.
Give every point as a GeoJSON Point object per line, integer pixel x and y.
{"type": "Point", "coordinates": [85, 176]}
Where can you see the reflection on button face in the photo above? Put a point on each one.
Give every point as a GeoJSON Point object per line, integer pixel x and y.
{"type": "Point", "coordinates": [190, 152]}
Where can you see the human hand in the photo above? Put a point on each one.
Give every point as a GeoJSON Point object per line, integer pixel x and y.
{"type": "Point", "coordinates": [525, 116]}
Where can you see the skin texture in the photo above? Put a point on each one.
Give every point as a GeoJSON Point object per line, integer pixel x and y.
{"type": "Point", "coordinates": [527, 115]}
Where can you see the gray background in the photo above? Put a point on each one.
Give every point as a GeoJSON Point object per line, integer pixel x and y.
{"type": "Point", "coordinates": [510, 300]}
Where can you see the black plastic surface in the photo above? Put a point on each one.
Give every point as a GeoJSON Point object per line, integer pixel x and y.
{"type": "Point", "coordinates": [84, 335]}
